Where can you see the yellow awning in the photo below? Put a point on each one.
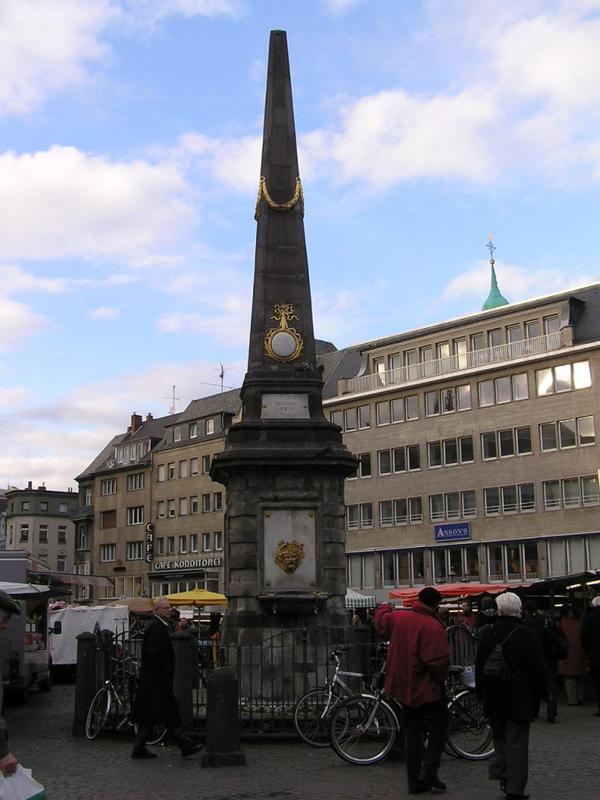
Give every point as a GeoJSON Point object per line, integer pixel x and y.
{"type": "Point", "coordinates": [197, 597]}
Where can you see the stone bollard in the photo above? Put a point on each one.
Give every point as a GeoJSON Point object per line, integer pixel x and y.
{"type": "Point", "coordinates": [86, 681]}
{"type": "Point", "coordinates": [222, 721]}
{"type": "Point", "coordinates": [186, 658]}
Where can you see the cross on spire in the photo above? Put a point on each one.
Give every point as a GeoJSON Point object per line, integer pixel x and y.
{"type": "Point", "coordinates": [492, 248]}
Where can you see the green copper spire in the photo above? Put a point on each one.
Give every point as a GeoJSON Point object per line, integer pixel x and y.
{"type": "Point", "coordinates": [495, 298]}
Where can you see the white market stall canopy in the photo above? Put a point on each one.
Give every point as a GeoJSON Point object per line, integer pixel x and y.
{"type": "Point", "coordinates": [357, 600]}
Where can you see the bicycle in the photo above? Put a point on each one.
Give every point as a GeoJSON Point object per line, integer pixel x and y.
{"type": "Point", "coordinates": [364, 728]}
{"type": "Point", "coordinates": [109, 709]}
{"type": "Point", "coordinates": [313, 709]}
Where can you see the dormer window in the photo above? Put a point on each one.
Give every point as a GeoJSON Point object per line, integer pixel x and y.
{"type": "Point", "coordinates": [177, 434]}
{"type": "Point", "coordinates": [193, 430]}
{"type": "Point", "coordinates": [209, 427]}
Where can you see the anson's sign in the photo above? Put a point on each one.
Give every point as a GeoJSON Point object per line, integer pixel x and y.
{"type": "Point", "coordinates": [452, 532]}
{"type": "Point", "coordinates": [186, 563]}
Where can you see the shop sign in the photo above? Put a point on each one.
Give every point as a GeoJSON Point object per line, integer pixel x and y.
{"type": "Point", "coordinates": [187, 563]}
{"type": "Point", "coordinates": [149, 557]}
{"type": "Point", "coordinates": [452, 532]}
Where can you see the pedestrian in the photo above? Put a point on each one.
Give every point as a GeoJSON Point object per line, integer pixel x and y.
{"type": "Point", "coordinates": [155, 703]}
{"type": "Point", "coordinates": [466, 616]}
{"type": "Point", "coordinates": [573, 667]}
{"type": "Point", "coordinates": [486, 613]}
{"type": "Point", "coordinates": [417, 665]}
{"type": "Point", "coordinates": [548, 635]}
{"type": "Point", "coordinates": [8, 762]}
{"type": "Point", "coordinates": [590, 641]}
{"type": "Point", "coordinates": [510, 707]}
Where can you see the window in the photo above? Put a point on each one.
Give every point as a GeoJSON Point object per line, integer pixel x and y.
{"type": "Point", "coordinates": [397, 407]}
{"type": "Point", "coordinates": [486, 393]}
{"type": "Point", "coordinates": [135, 515]}
{"type": "Point", "coordinates": [194, 504]}
{"type": "Point", "coordinates": [62, 508]}
{"type": "Point", "coordinates": [182, 544]}
{"type": "Point", "coordinates": [352, 519]}
{"type": "Point", "coordinates": [337, 417]}
{"type": "Point", "coordinates": [400, 512]}
{"type": "Point", "coordinates": [589, 490]}
{"type": "Point", "coordinates": [350, 419]}
{"type": "Point", "coordinates": [436, 507]}
{"type": "Point", "coordinates": [209, 427]}
{"type": "Point", "coordinates": [192, 430]}
{"type": "Point", "coordinates": [193, 542]}
{"type": "Point", "coordinates": [161, 508]}
{"type": "Point", "coordinates": [385, 513]}
{"type": "Point", "coordinates": [206, 542]}
{"type": "Point", "coordinates": [183, 469]}
{"type": "Point", "coordinates": [394, 361]}
{"type": "Point", "coordinates": [108, 519]}
{"type": "Point", "coordinates": [478, 341]}
{"type": "Point", "coordinates": [450, 452]}
{"type": "Point", "coordinates": [43, 534]}
{"type": "Point", "coordinates": [217, 501]}
{"type": "Point", "coordinates": [177, 434]}
{"type": "Point", "coordinates": [62, 534]}
{"type": "Point", "coordinates": [520, 386]}
{"type": "Point", "coordinates": [413, 453]}
{"type": "Point", "coordinates": [469, 504]}
{"type": "Point", "coordinates": [570, 491]}
{"type": "Point", "coordinates": [171, 471]}
{"type": "Point", "coordinates": [383, 413]}
{"type": "Point", "coordinates": [526, 497]}
{"type": "Point", "coordinates": [161, 473]}
{"type": "Point", "coordinates": [366, 515]}
{"type": "Point", "coordinates": [491, 499]}
{"type": "Point", "coordinates": [108, 552]}
{"type": "Point", "coordinates": [548, 439]}
{"type": "Point", "coordinates": [585, 431]}
{"type": "Point", "coordinates": [523, 438]}
{"type": "Point", "coordinates": [364, 465]}
{"type": "Point", "coordinates": [415, 509]}
{"type": "Point", "coordinates": [488, 445]}
{"type": "Point", "coordinates": [171, 508]}
{"type": "Point", "coordinates": [205, 503]}
{"type": "Point", "coordinates": [551, 494]}
{"type": "Point", "coordinates": [205, 465]}
{"type": "Point", "coordinates": [194, 466]}
{"type": "Point", "coordinates": [533, 329]}
{"type": "Point", "coordinates": [25, 505]}
{"type": "Point", "coordinates": [509, 499]}
{"type": "Point", "coordinates": [218, 540]}
{"type": "Point", "coordinates": [412, 406]}
{"type": "Point", "coordinates": [133, 551]}
{"type": "Point", "coordinates": [44, 505]}
{"type": "Point", "coordinates": [170, 545]}
{"type": "Point", "coordinates": [502, 388]}
{"type": "Point", "coordinates": [432, 403]}
{"type": "Point", "coordinates": [183, 506]}
{"type": "Point", "coordinates": [448, 403]}
{"type": "Point", "coordinates": [384, 462]}
{"type": "Point", "coordinates": [563, 378]}
{"type": "Point", "coordinates": [61, 563]}
{"type": "Point", "coordinates": [567, 433]}
{"type": "Point", "coordinates": [495, 337]}
{"type": "Point", "coordinates": [108, 486]}
{"type": "Point", "coordinates": [24, 532]}
{"type": "Point", "coordinates": [399, 459]}
{"type": "Point", "coordinates": [513, 333]}
{"type": "Point", "coordinates": [507, 444]}
{"type": "Point", "coordinates": [466, 449]}
{"type": "Point", "coordinates": [551, 324]}
{"type": "Point", "coordinates": [135, 481]}
{"type": "Point", "coordinates": [464, 397]}
{"type": "Point", "coordinates": [364, 417]}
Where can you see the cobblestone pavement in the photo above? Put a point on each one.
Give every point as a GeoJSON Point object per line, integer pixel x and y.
{"type": "Point", "coordinates": [564, 764]}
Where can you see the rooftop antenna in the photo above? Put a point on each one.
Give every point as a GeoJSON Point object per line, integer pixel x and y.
{"type": "Point", "coordinates": [222, 375]}
{"type": "Point", "coordinates": [173, 399]}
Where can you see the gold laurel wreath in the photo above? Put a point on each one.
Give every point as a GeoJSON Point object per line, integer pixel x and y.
{"type": "Point", "coordinates": [264, 192]}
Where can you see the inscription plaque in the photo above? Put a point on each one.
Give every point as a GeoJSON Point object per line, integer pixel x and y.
{"type": "Point", "coordinates": [285, 406]}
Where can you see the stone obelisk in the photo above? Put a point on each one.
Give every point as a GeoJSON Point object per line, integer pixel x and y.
{"type": "Point", "coordinates": [284, 464]}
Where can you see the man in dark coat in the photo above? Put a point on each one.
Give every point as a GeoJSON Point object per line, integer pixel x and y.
{"type": "Point", "coordinates": [511, 707]}
{"type": "Point", "coordinates": [155, 703]}
{"type": "Point", "coordinates": [8, 762]}
{"type": "Point", "coordinates": [590, 641]}
{"type": "Point", "coordinates": [547, 634]}
{"type": "Point", "coordinates": [417, 665]}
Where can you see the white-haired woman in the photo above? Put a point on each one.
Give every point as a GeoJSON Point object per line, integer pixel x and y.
{"type": "Point", "coordinates": [511, 707]}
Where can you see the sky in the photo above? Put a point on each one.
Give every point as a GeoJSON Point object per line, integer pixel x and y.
{"type": "Point", "coordinates": [129, 164]}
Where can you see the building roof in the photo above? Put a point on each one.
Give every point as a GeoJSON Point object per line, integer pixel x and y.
{"type": "Point", "coordinates": [224, 402]}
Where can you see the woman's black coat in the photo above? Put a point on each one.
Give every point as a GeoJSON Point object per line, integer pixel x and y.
{"type": "Point", "coordinates": [155, 702]}
{"type": "Point", "coordinates": [519, 701]}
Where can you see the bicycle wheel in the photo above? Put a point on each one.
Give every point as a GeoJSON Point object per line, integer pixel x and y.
{"type": "Point", "coordinates": [311, 717]}
{"type": "Point", "coordinates": [469, 732]}
{"type": "Point", "coordinates": [98, 713]}
{"type": "Point", "coordinates": [363, 729]}
{"type": "Point", "coordinates": [158, 734]}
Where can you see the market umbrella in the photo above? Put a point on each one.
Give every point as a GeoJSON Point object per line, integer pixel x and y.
{"type": "Point", "coordinates": [197, 597]}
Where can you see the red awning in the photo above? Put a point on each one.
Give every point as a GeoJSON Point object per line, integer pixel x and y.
{"type": "Point", "coordinates": [454, 590]}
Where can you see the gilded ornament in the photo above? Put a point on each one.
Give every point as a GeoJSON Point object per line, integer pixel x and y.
{"type": "Point", "coordinates": [289, 555]}
{"type": "Point", "coordinates": [264, 192]}
{"type": "Point", "coordinates": [283, 343]}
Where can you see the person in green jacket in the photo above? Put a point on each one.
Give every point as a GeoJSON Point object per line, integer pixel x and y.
{"type": "Point", "coordinates": [8, 762]}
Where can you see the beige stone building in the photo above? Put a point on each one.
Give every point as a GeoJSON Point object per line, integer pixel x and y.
{"type": "Point", "coordinates": [478, 457]}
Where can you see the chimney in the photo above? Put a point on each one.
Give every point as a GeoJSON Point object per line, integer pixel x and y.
{"type": "Point", "coordinates": [149, 417]}
{"type": "Point", "coordinates": [136, 422]}
{"type": "Point", "coordinates": [29, 485]}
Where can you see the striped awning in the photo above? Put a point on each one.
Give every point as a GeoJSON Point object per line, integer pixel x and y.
{"type": "Point", "coordinates": [357, 600]}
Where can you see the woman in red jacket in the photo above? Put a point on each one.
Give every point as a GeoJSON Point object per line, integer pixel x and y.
{"type": "Point", "coordinates": [416, 668]}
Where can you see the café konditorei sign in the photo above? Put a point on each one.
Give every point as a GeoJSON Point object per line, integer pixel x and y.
{"type": "Point", "coordinates": [179, 564]}
{"type": "Point", "coordinates": [455, 532]}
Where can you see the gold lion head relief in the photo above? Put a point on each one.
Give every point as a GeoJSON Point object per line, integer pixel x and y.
{"type": "Point", "coordinates": [289, 555]}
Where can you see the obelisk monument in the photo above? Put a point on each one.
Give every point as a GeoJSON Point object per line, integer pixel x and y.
{"type": "Point", "coordinates": [284, 464]}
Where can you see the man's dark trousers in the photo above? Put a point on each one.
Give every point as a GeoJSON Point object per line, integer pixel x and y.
{"type": "Point", "coordinates": [423, 759]}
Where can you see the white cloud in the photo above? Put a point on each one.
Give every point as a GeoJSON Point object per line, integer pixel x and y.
{"type": "Point", "coordinates": [154, 10]}
{"type": "Point", "coordinates": [340, 6]}
{"type": "Point", "coordinates": [103, 312]}
{"type": "Point", "coordinates": [234, 162]}
{"type": "Point", "coordinates": [63, 202]}
{"type": "Point", "coordinates": [228, 320]}
{"type": "Point", "coordinates": [17, 322]}
{"type": "Point", "coordinates": [13, 279]}
{"type": "Point", "coordinates": [47, 46]}
{"type": "Point", "coordinates": [516, 283]}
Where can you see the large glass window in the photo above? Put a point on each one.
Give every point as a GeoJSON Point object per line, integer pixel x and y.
{"type": "Point", "coordinates": [369, 570]}
{"type": "Point", "coordinates": [523, 440]}
{"type": "Point", "coordinates": [486, 393]}
{"type": "Point", "coordinates": [545, 381]}
{"type": "Point", "coordinates": [450, 452]}
{"type": "Point", "coordinates": [388, 568]}
{"type": "Point", "coordinates": [436, 507]}
{"type": "Point", "coordinates": [582, 377]}
{"type": "Point", "coordinates": [397, 410]}
{"type": "Point", "coordinates": [503, 389]}
{"type": "Point", "coordinates": [366, 515]}
{"type": "Point", "coordinates": [464, 397]}
{"type": "Point", "coordinates": [513, 557]}
{"type": "Point", "coordinates": [434, 454]}
{"type": "Point", "coordinates": [491, 498]}
{"type": "Point", "coordinates": [412, 407]}
{"type": "Point", "coordinates": [364, 416]}
{"type": "Point", "coordinates": [415, 509]}
{"type": "Point", "coordinates": [495, 562]}
{"type": "Point", "coordinates": [509, 499]}
{"type": "Point", "coordinates": [432, 403]}
{"type": "Point", "coordinates": [533, 329]}
{"type": "Point", "coordinates": [364, 465]}
{"type": "Point", "coordinates": [418, 559]}
{"type": "Point", "coordinates": [472, 561]}
{"type": "Point", "coordinates": [448, 400]}
{"type": "Point", "coordinates": [399, 459]}
{"type": "Point", "coordinates": [350, 419]}
{"type": "Point", "coordinates": [383, 413]}
{"type": "Point", "coordinates": [576, 547]}
{"type": "Point", "coordinates": [453, 505]}
{"type": "Point", "coordinates": [571, 495]}
{"type": "Point", "coordinates": [403, 567]}
{"type": "Point", "coordinates": [384, 461]}
{"type": "Point", "coordinates": [527, 497]}
{"type": "Point", "coordinates": [469, 506]}
{"type": "Point", "coordinates": [354, 571]}
{"type": "Point", "coordinates": [551, 494]}
{"type": "Point", "coordinates": [414, 456]}
{"type": "Point", "coordinates": [400, 511]}
{"type": "Point", "coordinates": [352, 521]}
{"type": "Point", "coordinates": [567, 433]}
{"type": "Point", "coordinates": [439, 565]}
{"type": "Point", "coordinates": [531, 558]}
{"type": "Point", "coordinates": [589, 492]}
{"type": "Point", "coordinates": [488, 445]}
{"type": "Point", "coordinates": [557, 557]}
{"type": "Point", "coordinates": [456, 567]}
{"type": "Point", "coordinates": [466, 449]}
{"type": "Point", "coordinates": [520, 388]}
{"type": "Point", "coordinates": [507, 444]}
{"type": "Point", "coordinates": [562, 378]}
{"type": "Point", "coordinates": [548, 436]}
{"type": "Point", "coordinates": [385, 513]}
{"type": "Point", "coordinates": [585, 431]}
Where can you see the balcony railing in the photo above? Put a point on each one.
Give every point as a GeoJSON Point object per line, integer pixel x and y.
{"type": "Point", "coordinates": [82, 512]}
{"type": "Point", "coordinates": [456, 363]}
